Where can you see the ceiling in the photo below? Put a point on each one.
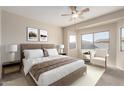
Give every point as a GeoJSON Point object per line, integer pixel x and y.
{"type": "Point", "coordinates": [52, 14]}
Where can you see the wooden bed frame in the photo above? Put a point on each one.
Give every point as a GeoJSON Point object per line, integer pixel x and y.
{"type": "Point", "coordinates": [67, 80]}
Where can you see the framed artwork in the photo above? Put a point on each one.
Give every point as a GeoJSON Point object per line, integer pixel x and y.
{"type": "Point", "coordinates": [32, 34]}
{"type": "Point", "coordinates": [43, 35]}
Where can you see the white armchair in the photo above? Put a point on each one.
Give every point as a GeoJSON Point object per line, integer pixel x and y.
{"type": "Point", "coordinates": [100, 57]}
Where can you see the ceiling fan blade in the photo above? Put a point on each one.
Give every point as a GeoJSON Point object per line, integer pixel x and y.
{"type": "Point", "coordinates": [66, 14]}
{"type": "Point", "coordinates": [83, 11]}
{"type": "Point", "coordinates": [73, 9]}
{"type": "Point", "coordinates": [86, 10]}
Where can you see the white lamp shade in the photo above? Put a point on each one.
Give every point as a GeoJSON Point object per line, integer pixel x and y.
{"type": "Point", "coordinates": [61, 46]}
{"type": "Point", "coordinates": [12, 48]}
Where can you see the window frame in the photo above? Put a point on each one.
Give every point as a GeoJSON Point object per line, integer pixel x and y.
{"type": "Point", "coordinates": [86, 34]}
{"type": "Point", "coordinates": [93, 37]}
{"type": "Point", "coordinates": [121, 50]}
{"type": "Point", "coordinates": [108, 38]}
{"type": "Point", "coordinates": [75, 41]}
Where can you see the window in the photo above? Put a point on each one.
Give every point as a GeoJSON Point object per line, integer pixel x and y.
{"type": "Point", "coordinates": [122, 39]}
{"type": "Point", "coordinates": [95, 40]}
{"type": "Point", "coordinates": [101, 40]}
{"type": "Point", "coordinates": [72, 41]}
{"type": "Point", "coordinates": [87, 41]}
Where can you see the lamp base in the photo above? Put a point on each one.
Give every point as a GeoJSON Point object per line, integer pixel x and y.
{"type": "Point", "coordinates": [61, 50]}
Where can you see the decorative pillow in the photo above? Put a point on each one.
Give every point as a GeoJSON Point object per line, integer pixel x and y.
{"type": "Point", "coordinates": [45, 52]}
{"type": "Point", "coordinates": [52, 52]}
{"type": "Point", "coordinates": [33, 53]}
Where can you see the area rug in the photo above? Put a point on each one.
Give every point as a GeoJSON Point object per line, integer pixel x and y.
{"type": "Point", "coordinates": [111, 77]}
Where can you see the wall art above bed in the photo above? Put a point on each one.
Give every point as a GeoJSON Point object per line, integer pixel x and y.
{"type": "Point", "coordinates": [34, 34]}
{"type": "Point", "coordinates": [43, 35]}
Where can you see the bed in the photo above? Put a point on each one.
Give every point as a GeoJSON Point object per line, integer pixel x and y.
{"type": "Point", "coordinates": [51, 70]}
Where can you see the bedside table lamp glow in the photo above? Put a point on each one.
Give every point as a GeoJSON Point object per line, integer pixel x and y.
{"type": "Point", "coordinates": [12, 49]}
{"type": "Point", "coordinates": [61, 47]}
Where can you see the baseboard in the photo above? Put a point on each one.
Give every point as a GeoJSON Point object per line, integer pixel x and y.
{"type": "Point", "coordinates": [115, 66]}
{"type": "Point", "coordinates": [111, 66]}
{"type": "Point", "coordinates": [119, 68]}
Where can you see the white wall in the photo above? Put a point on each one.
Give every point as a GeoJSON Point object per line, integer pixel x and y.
{"type": "Point", "coordinates": [0, 45]}
{"type": "Point", "coordinates": [120, 55]}
{"type": "Point", "coordinates": [14, 31]}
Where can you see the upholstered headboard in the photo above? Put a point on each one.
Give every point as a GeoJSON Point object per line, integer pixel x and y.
{"type": "Point", "coordinates": [34, 46]}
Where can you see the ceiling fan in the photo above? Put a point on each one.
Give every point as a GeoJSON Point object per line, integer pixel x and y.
{"type": "Point", "coordinates": [75, 13]}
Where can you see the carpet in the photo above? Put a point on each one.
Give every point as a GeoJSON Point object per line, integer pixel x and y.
{"type": "Point", "coordinates": [1, 84]}
{"type": "Point", "coordinates": [12, 76]}
{"type": "Point", "coordinates": [111, 77]}
{"type": "Point", "coordinates": [90, 79]}
{"type": "Point", "coordinates": [16, 82]}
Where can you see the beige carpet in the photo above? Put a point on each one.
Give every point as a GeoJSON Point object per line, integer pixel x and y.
{"type": "Point", "coordinates": [17, 82]}
{"type": "Point", "coordinates": [111, 77]}
{"type": "Point", "coordinates": [89, 79]}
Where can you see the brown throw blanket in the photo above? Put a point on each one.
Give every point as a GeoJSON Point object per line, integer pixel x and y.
{"type": "Point", "coordinates": [40, 68]}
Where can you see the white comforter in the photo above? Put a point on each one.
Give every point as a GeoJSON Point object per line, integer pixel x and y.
{"type": "Point", "coordinates": [53, 75]}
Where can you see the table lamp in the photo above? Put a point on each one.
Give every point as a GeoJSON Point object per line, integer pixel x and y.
{"type": "Point", "coordinates": [12, 49]}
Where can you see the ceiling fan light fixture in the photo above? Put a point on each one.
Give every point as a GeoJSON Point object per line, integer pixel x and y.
{"type": "Point", "coordinates": [75, 16]}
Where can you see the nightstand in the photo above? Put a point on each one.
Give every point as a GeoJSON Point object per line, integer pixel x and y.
{"type": "Point", "coordinates": [11, 67]}
{"type": "Point", "coordinates": [62, 53]}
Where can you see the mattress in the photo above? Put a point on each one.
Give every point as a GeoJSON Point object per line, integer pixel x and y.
{"type": "Point", "coordinates": [53, 75]}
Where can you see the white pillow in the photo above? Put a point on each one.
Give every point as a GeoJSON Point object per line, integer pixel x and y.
{"type": "Point", "coordinates": [33, 53]}
{"type": "Point", "coordinates": [52, 52]}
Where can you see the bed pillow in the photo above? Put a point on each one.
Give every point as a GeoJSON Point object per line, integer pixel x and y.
{"type": "Point", "coordinates": [45, 52]}
{"type": "Point", "coordinates": [33, 53]}
{"type": "Point", "coordinates": [52, 52]}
